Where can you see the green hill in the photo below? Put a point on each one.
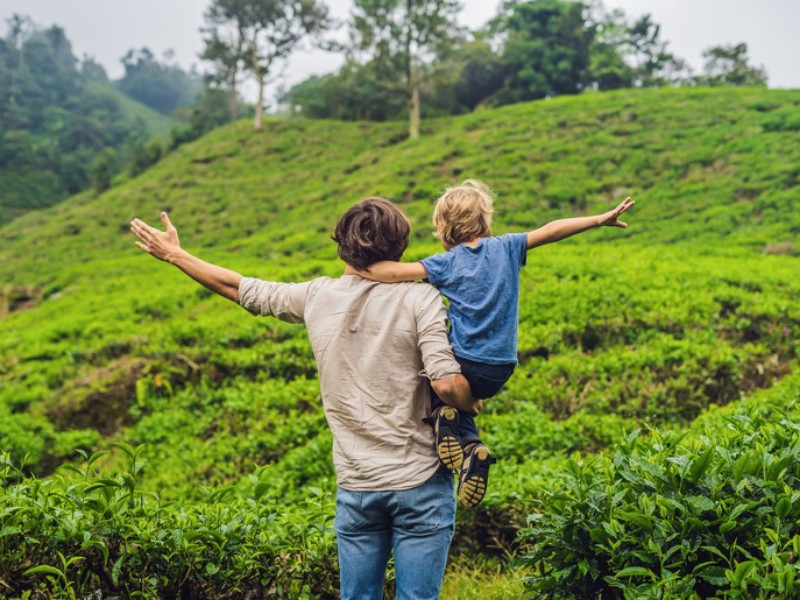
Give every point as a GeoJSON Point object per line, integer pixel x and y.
{"type": "Point", "coordinates": [693, 307]}
{"type": "Point", "coordinates": [155, 124]}
{"type": "Point", "coordinates": [48, 156]}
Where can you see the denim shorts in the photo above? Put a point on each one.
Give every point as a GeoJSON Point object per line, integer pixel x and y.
{"type": "Point", "coordinates": [485, 380]}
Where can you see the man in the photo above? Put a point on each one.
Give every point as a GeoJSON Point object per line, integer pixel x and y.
{"type": "Point", "coordinates": [372, 341]}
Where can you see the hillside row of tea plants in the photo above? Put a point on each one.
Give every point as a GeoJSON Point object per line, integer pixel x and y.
{"type": "Point", "coordinates": [709, 512]}
{"type": "Point", "coordinates": [691, 308]}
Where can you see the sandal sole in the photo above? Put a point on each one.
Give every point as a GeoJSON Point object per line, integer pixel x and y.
{"type": "Point", "coordinates": [474, 477]}
{"type": "Point", "coordinates": [448, 443]}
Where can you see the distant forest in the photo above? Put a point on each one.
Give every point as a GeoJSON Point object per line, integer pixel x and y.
{"type": "Point", "coordinates": [64, 127]}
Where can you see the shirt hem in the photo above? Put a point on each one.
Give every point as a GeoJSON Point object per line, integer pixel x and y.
{"type": "Point", "coordinates": [423, 477]}
{"type": "Point", "coordinates": [484, 360]}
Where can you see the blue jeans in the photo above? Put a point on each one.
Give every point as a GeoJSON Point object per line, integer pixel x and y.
{"type": "Point", "coordinates": [417, 524]}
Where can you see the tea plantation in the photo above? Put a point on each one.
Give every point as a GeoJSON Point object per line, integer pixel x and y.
{"type": "Point", "coordinates": [158, 442]}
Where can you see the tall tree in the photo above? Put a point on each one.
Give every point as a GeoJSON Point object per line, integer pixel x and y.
{"type": "Point", "coordinates": [729, 65]}
{"type": "Point", "coordinates": [225, 41]}
{"type": "Point", "coordinates": [546, 48]}
{"type": "Point", "coordinates": [608, 69]}
{"type": "Point", "coordinates": [404, 36]}
{"type": "Point", "coordinates": [654, 64]}
{"type": "Point", "coordinates": [481, 73]}
{"type": "Point", "coordinates": [19, 27]}
{"type": "Point", "coordinates": [275, 28]}
{"type": "Point", "coordinates": [254, 35]}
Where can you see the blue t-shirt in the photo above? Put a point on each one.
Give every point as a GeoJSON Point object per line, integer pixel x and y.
{"type": "Point", "coordinates": [482, 285]}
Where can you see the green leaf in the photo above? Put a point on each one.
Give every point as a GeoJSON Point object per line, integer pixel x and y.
{"type": "Point", "coordinates": [126, 448]}
{"type": "Point", "coordinates": [727, 526]}
{"type": "Point", "coordinates": [93, 458]}
{"type": "Point", "coordinates": [115, 570]}
{"type": "Point", "coordinates": [714, 575]}
{"type": "Point", "coordinates": [638, 519]}
{"type": "Point", "coordinates": [636, 572]}
{"type": "Point", "coordinates": [633, 435]}
{"type": "Point", "coordinates": [738, 510]}
{"type": "Point", "coordinates": [260, 489]}
{"type": "Point", "coordinates": [598, 535]}
{"type": "Point", "coordinates": [741, 572]}
{"type": "Point", "coordinates": [704, 503]}
{"type": "Point", "coordinates": [45, 570]}
{"type": "Point", "coordinates": [740, 466]}
{"type": "Point", "coordinates": [783, 507]}
{"type": "Point", "coordinates": [701, 464]}
{"type": "Point", "coordinates": [74, 469]}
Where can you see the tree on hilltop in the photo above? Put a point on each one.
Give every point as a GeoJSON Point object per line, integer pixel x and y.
{"type": "Point", "coordinates": [545, 48]}
{"type": "Point", "coordinates": [654, 65]}
{"type": "Point", "coordinates": [277, 27]}
{"type": "Point", "coordinates": [259, 34]}
{"type": "Point", "coordinates": [729, 65]}
{"type": "Point", "coordinates": [225, 41]}
{"type": "Point", "coordinates": [403, 38]}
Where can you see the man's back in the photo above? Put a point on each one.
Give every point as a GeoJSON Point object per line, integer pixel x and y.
{"type": "Point", "coordinates": [371, 342]}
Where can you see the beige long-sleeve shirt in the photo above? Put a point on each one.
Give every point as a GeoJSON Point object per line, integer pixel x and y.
{"type": "Point", "coordinates": [371, 341]}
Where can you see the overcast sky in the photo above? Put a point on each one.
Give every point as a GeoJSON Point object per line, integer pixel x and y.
{"type": "Point", "coordinates": [107, 29]}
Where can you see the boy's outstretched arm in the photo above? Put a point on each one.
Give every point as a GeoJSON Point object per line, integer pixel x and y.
{"type": "Point", "coordinates": [564, 228]}
{"type": "Point", "coordinates": [389, 271]}
{"type": "Point", "coordinates": [164, 245]}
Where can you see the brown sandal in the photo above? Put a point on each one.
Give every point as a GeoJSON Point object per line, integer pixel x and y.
{"type": "Point", "coordinates": [474, 475]}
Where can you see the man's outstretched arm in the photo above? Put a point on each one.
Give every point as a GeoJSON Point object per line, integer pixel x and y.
{"type": "Point", "coordinates": [165, 245]}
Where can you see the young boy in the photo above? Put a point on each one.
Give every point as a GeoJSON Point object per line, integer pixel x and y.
{"type": "Point", "coordinates": [479, 275]}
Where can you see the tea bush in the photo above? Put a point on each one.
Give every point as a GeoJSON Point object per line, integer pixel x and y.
{"type": "Point", "coordinates": [689, 310]}
{"type": "Point", "coordinates": [101, 536]}
{"type": "Point", "coordinates": [710, 515]}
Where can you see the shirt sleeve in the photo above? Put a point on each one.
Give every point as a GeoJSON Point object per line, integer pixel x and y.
{"type": "Point", "coordinates": [517, 246]}
{"type": "Point", "coordinates": [435, 348]}
{"type": "Point", "coordinates": [285, 301]}
{"type": "Point", "coordinates": [438, 267]}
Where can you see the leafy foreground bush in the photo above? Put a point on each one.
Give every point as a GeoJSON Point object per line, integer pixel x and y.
{"type": "Point", "coordinates": [671, 516]}
{"type": "Point", "coordinates": [100, 537]}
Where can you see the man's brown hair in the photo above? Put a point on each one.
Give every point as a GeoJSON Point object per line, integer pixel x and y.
{"type": "Point", "coordinates": [371, 230]}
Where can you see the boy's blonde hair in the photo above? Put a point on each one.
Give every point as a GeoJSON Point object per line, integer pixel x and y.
{"type": "Point", "coordinates": [463, 213]}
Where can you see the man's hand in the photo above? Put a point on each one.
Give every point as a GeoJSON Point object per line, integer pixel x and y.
{"type": "Point", "coordinates": [478, 407]}
{"type": "Point", "coordinates": [164, 245]}
{"type": "Point", "coordinates": [161, 244]}
{"type": "Point", "coordinates": [610, 219]}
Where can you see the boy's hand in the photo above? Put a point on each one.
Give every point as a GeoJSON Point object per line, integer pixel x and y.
{"type": "Point", "coordinates": [161, 244]}
{"type": "Point", "coordinates": [610, 219]}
